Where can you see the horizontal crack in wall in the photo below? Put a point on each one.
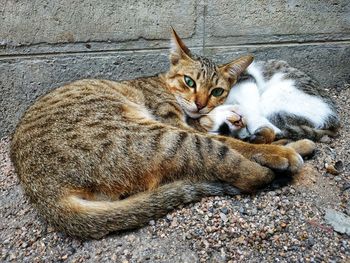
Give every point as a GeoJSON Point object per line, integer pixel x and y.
{"type": "Point", "coordinates": [112, 51]}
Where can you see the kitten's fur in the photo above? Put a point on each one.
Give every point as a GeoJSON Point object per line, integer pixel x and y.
{"type": "Point", "coordinates": [96, 156]}
{"type": "Point", "coordinates": [276, 101]}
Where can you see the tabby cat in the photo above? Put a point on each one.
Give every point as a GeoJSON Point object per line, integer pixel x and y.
{"type": "Point", "coordinates": [96, 156]}
{"type": "Point", "coordinates": [274, 101]}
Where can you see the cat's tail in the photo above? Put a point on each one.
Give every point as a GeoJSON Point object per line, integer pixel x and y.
{"type": "Point", "coordinates": [94, 219]}
{"type": "Point", "coordinates": [304, 132]}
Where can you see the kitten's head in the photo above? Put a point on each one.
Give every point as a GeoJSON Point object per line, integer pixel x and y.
{"type": "Point", "coordinates": [199, 84]}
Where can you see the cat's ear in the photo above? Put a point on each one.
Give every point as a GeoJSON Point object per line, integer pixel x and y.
{"type": "Point", "coordinates": [235, 68]}
{"type": "Point", "coordinates": [178, 49]}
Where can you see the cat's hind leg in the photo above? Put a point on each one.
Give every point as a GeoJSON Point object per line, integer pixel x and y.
{"type": "Point", "coordinates": [296, 132]}
{"type": "Point", "coordinates": [266, 135]}
{"type": "Point", "coordinates": [281, 142]}
{"type": "Point", "coordinates": [304, 147]}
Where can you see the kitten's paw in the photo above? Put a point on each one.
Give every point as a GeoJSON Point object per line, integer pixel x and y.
{"type": "Point", "coordinates": [234, 118]}
{"type": "Point", "coordinates": [221, 115]}
{"type": "Point", "coordinates": [304, 147]}
{"type": "Point", "coordinates": [278, 158]}
{"type": "Point", "coordinates": [263, 135]}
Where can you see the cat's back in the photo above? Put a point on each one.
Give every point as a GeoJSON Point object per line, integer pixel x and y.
{"type": "Point", "coordinates": [78, 121]}
{"type": "Point", "coordinates": [302, 80]}
{"type": "Point", "coordinates": [86, 101]}
{"type": "Point", "coordinates": [69, 106]}
{"type": "Point", "coordinates": [294, 97]}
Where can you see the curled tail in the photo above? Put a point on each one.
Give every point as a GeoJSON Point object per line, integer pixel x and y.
{"type": "Point", "coordinates": [304, 132]}
{"type": "Point", "coordinates": [86, 219]}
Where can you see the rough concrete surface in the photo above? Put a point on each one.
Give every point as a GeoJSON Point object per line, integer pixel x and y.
{"type": "Point", "coordinates": [93, 20]}
{"type": "Point", "coordinates": [44, 44]}
{"type": "Point", "coordinates": [257, 21]}
{"type": "Point", "coordinates": [225, 22]}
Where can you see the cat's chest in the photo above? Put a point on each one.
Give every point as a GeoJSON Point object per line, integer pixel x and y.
{"type": "Point", "coordinates": [245, 93]}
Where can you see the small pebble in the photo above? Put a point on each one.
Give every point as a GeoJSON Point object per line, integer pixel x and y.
{"type": "Point", "coordinates": [224, 210]}
{"type": "Point", "coordinates": [223, 217]}
{"type": "Point", "coordinates": [325, 139]}
{"type": "Point", "coordinates": [331, 169]}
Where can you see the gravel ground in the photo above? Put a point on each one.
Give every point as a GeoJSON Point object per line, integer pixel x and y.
{"type": "Point", "coordinates": [283, 225]}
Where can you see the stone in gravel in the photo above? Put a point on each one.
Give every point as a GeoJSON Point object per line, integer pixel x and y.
{"type": "Point", "coordinates": [242, 211]}
{"type": "Point", "coordinates": [188, 236]}
{"type": "Point", "coordinates": [131, 238]}
{"type": "Point", "coordinates": [339, 165]}
{"type": "Point", "coordinates": [331, 169]}
{"type": "Point", "coordinates": [254, 211]}
{"type": "Point", "coordinates": [346, 186]}
{"type": "Point", "coordinates": [339, 221]}
{"type": "Point", "coordinates": [283, 224]}
{"type": "Point", "coordinates": [310, 241]}
{"type": "Point", "coordinates": [325, 139]}
{"type": "Point", "coordinates": [224, 210]}
{"type": "Point", "coordinates": [174, 222]}
{"type": "Point", "coordinates": [338, 179]}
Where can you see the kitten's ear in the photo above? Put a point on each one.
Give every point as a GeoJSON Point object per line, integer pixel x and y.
{"type": "Point", "coordinates": [235, 68]}
{"type": "Point", "coordinates": [178, 49]}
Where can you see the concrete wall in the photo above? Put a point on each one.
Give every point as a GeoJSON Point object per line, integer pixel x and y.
{"type": "Point", "coordinates": [45, 43]}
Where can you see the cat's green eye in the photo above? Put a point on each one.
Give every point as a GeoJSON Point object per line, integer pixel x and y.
{"type": "Point", "coordinates": [217, 92]}
{"type": "Point", "coordinates": [189, 82]}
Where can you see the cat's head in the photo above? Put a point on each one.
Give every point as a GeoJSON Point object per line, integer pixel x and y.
{"type": "Point", "coordinates": [198, 84]}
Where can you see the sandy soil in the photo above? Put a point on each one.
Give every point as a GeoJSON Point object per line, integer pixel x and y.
{"type": "Point", "coordinates": [283, 225]}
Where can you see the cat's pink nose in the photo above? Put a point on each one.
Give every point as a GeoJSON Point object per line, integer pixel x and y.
{"type": "Point", "coordinates": [199, 105]}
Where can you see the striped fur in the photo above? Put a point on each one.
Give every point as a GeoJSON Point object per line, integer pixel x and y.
{"type": "Point", "coordinates": [97, 156]}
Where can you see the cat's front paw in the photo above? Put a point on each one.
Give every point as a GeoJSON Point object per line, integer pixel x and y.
{"type": "Point", "coordinates": [262, 135]}
{"type": "Point", "coordinates": [277, 157]}
{"type": "Point", "coordinates": [224, 115]}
